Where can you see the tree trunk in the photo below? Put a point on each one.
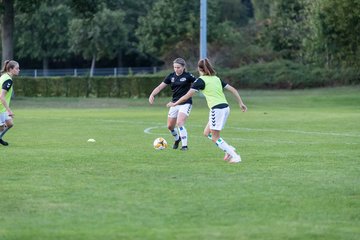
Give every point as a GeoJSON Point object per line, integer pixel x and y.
{"type": "Point", "coordinates": [45, 66]}
{"type": "Point", "coordinates": [7, 27]}
{"type": "Point", "coordinates": [92, 66]}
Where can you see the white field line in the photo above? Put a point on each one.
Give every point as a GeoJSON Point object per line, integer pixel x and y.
{"type": "Point", "coordinates": [149, 131]}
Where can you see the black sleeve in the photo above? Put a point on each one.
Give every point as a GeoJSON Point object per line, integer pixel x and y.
{"type": "Point", "coordinates": [199, 84]}
{"type": "Point", "coordinates": [7, 85]}
{"type": "Point", "coordinates": [223, 84]}
{"type": "Point", "coordinates": [192, 78]}
{"type": "Point", "coordinates": [167, 80]}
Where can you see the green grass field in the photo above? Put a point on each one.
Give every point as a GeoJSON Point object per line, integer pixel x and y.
{"type": "Point", "coordinates": [299, 178]}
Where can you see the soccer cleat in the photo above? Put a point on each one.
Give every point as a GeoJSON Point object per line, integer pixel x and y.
{"type": "Point", "coordinates": [228, 156]}
{"type": "Point", "coordinates": [235, 159]}
{"type": "Point", "coordinates": [176, 144]}
{"type": "Point", "coordinates": [184, 148]}
{"type": "Point", "coordinates": [2, 142]}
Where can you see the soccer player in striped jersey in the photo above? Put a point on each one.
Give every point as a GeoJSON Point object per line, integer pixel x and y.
{"type": "Point", "coordinates": [212, 88]}
{"type": "Point", "coordinates": [10, 69]}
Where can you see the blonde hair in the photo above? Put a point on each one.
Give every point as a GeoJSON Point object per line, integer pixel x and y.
{"type": "Point", "coordinates": [205, 66]}
{"type": "Point", "coordinates": [8, 65]}
{"type": "Point", "coordinates": [180, 61]}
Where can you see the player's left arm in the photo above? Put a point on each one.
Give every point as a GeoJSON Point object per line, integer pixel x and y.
{"type": "Point", "coordinates": [4, 103]}
{"type": "Point", "coordinates": [237, 96]}
{"type": "Point", "coordinates": [188, 95]}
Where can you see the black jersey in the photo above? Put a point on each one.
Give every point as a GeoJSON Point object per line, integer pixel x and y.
{"type": "Point", "coordinates": [180, 85]}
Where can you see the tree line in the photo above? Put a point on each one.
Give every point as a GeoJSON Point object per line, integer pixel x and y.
{"type": "Point", "coordinates": [133, 33]}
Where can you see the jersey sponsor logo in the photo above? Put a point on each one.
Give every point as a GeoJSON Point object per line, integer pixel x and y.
{"type": "Point", "coordinates": [182, 79]}
{"type": "Point", "coordinates": [8, 85]}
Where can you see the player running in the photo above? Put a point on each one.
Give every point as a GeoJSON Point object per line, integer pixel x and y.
{"type": "Point", "coordinates": [180, 82]}
{"type": "Point", "coordinates": [212, 88]}
{"type": "Point", "coordinates": [10, 69]}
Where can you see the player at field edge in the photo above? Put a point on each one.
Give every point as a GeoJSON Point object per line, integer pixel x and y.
{"type": "Point", "coordinates": [180, 82]}
{"type": "Point", "coordinates": [212, 88]}
{"type": "Point", "coordinates": [10, 69]}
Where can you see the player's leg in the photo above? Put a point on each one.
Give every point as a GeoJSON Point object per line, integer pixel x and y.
{"type": "Point", "coordinates": [217, 120]}
{"type": "Point", "coordinates": [5, 124]}
{"type": "Point", "coordinates": [207, 132]}
{"type": "Point", "coordinates": [171, 125]}
{"type": "Point", "coordinates": [183, 114]}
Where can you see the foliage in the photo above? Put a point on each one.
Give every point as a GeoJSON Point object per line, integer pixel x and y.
{"type": "Point", "coordinates": [48, 28]}
{"type": "Point", "coordinates": [335, 38]}
{"type": "Point", "coordinates": [86, 8]}
{"type": "Point", "coordinates": [289, 75]}
{"type": "Point", "coordinates": [171, 28]}
{"type": "Point", "coordinates": [117, 87]}
{"type": "Point", "coordinates": [239, 31]}
{"type": "Point", "coordinates": [262, 9]}
{"type": "Point", "coordinates": [287, 28]}
{"type": "Point", "coordinates": [238, 12]}
{"type": "Point", "coordinates": [275, 75]}
{"type": "Point", "coordinates": [167, 24]}
{"type": "Point", "coordinates": [103, 35]}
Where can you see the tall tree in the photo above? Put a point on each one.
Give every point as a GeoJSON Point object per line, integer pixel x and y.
{"type": "Point", "coordinates": [102, 35]}
{"type": "Point", "coordinates": [7, 29]}
{"type": "Point", "coordinates": [288, 27]}
{"type": "Point", "coordinates": [7, 23]}
{"type": "Point", "coordinates": [171, 28]}
{"type": "Point", "coordinates": [48, 28]}
{"type": "Point", "coordinates": [335, 38]}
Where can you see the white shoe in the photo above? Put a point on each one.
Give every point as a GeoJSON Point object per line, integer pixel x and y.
{"type": "Point", "coordinates": [235, 159]}
{"type": "Point", "coordinates": [228, 156]}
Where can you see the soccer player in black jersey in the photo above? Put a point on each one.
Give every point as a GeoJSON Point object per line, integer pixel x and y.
{"type": "Point", "coordinates": [180, 82]}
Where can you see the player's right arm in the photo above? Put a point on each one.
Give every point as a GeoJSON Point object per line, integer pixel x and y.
{"type": "Point", "coordinates": [237, 96]}
{"type": "Point", "coordinates": [156, 91]}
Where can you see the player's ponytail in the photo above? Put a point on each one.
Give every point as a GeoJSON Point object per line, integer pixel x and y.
{"type": "Point", "coordinates": [205, 66]}
{"type": "Point", "coordinates": [3, 70]}
{"type": "Point", "coordinates": [8, 64]}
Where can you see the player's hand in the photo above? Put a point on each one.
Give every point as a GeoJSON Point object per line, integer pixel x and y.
{"type": "Point", "coordinates": [170, 104]}
{"type": "Point", "coordinates": [151, 99]}
{"type": "Point", "coordinates": [11, 114]}
{"type": "Point", "coordinates": [243, 107]}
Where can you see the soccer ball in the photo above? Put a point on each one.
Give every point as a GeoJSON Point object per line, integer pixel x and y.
{"type": "Point", "coordinates": [160, 143]}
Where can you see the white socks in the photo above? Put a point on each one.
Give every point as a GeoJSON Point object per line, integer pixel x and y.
{"type": "Point", "coordinates": [183, 135]}
{"type": "Point", "coordinates": [175, 134]}
{"type": "Point", "coordinates": [226, 147]}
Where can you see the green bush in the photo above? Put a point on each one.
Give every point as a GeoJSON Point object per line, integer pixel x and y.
{"type": "Point", "coordinates": [289, 75]}
{"type": "Point", "coordinates": [274, 75]}
{"type": "Point", "coordinates": [130, 86]}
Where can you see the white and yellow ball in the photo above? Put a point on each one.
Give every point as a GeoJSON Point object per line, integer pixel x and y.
{"type": "Point", "coordinates": [160, 143]}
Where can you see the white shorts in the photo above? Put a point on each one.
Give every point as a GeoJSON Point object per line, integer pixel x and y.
{"type": "Point", "coordinates": [4, 117]}
{"type": "Point", "coordinates": [218, 117]}
{"type": "Point", "coordinates": [174, 111]}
